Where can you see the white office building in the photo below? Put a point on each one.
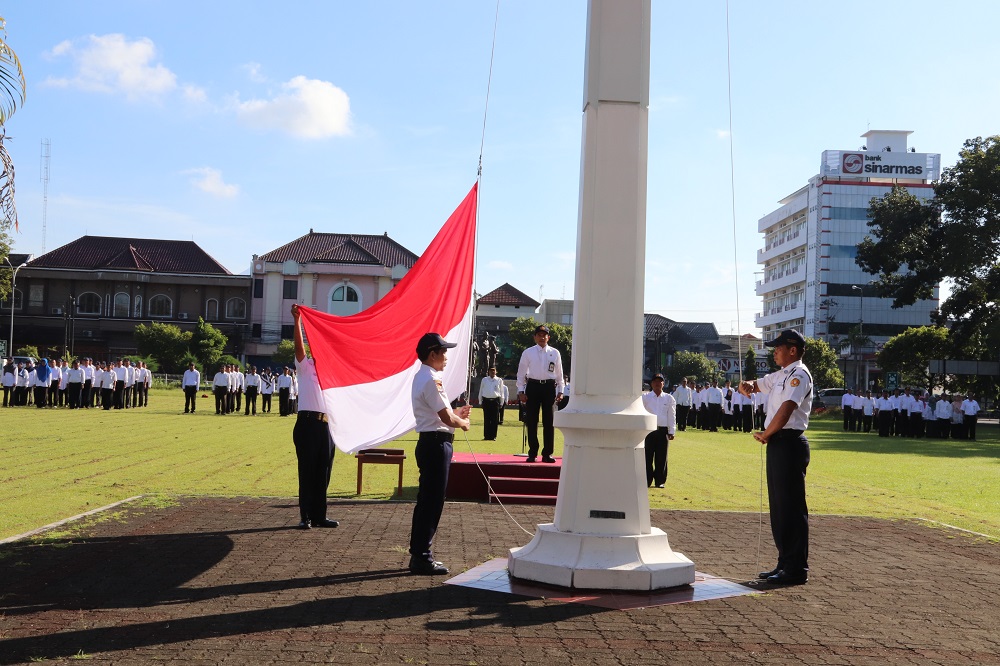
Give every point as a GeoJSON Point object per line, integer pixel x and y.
{"type": "Point", "coordinates": [810, 279]}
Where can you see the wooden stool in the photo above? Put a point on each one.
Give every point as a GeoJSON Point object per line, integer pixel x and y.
{"type": "Point", "coordinates": [381, 457]}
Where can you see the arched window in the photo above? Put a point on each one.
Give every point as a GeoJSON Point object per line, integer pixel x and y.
{"type": "Point", "coordinates": [211, 310]}
{"type": "Point", "coordinates": [18, 298]}
{"type": "Point", "coordinates": [88, 304]}
{"type": "Point", "coordinates": [121, 304]}
{"type": "Point", "coordinates": [344, 300]}
{"type": "Point", "coordinates": [137, 308]}
{"type": "Point", "coordinates": [236, 308]}
{"type": "Point", "coordinates": [160, 306]}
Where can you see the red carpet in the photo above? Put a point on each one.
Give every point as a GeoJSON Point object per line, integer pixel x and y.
{"type": "Point", "coordinates": [514, 480]}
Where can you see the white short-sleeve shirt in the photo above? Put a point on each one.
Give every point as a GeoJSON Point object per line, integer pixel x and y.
{"type": "Point", "coordinates": [429, 398]}
{"type": "Point", "coordinates": [791, 383]}
{"type": "Point", "coordinates": [309, 393]}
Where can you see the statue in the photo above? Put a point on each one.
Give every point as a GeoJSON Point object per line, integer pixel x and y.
{"type": "Point", "coordinates": [488, 351]}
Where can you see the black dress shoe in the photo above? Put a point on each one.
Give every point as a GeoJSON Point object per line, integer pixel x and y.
{"type": "Point", "coordinates": [304, 525]}
{"type": "Point", "coordinates": [422, 567]}
{"type": "Point", "coordinates": [325, 523]}
{"type": "Point", "coordinates": [548, 459]}
{"type": "Point", "coordinates": [529, 460]}
{"type": "Point", "coordinates": [785, 578]}
{"type": "Point", "coordinates": [764, 575]}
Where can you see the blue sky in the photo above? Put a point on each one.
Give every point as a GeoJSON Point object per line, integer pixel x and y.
{"type": "Point", "coordinates": [241, 125]}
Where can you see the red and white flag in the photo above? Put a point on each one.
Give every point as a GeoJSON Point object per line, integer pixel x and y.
{"type": "Point", "coordinates": [366, 362]}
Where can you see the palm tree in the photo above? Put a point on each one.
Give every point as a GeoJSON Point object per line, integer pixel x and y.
{"type": "Point", "coordinates": [12, 94]}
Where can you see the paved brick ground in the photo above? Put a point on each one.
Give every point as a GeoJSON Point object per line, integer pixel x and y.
{"type": "Point", "coordinates": [222, 581]}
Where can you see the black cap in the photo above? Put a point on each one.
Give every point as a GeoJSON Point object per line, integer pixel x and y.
{"type": "Point", "coordinates": [788, 337]}
{"type": "Point", "coordinates": [431, 341]}
{"type": "Point", "coordinates": [541, 328]}
{"type": "Point", "coordinates": [657, 376]}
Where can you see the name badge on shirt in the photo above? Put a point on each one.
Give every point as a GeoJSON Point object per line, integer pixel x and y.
{"type": "Point", "coordinates": [552, 366]}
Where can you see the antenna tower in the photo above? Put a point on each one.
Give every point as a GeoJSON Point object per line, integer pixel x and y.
{"type": "Point", "coordinates": [46, 154]}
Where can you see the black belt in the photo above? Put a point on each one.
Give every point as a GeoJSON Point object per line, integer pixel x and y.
{"type": "Point", "coordinates": [319, 416]}
{"type": "Point", "coordinates": [437, 436]}
{"type": "Point", "coordinates": [541, 381]}
{"type": "Point", "coordinates": [787, 433]}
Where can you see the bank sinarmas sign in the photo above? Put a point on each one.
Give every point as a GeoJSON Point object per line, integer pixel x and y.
{"type": "Point", "coordinates": [881, 164]}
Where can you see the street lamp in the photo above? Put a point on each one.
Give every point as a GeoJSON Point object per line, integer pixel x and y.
{"type": "Point", "coordinates": [861, 333]}
{"type": "Point", "coordinates": [13, 282]}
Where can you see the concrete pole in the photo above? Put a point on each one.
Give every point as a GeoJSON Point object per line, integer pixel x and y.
{"type": "Point", "coordinates": [602, 537]}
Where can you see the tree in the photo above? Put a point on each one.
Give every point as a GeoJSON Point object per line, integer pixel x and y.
{"type": "Point", "coordinates": [692, 365]}
{"type": "Point", "coordinates": [750, 364]}
{"type": "Point", "coordinates": [167, 343]}
{"type": "Point", "coordinates": [915, 245]}
{"type": "Point", "coordinates": [207, 344]}
{"type": "Point", "coordinates": [13, 89]}
{"type": "Point", "coordinates": [857, 342]}
{"type": "Point", "coordinates": [821, 360]}
{"type": "Point", "coordinates": [28, 350]}
{"type": "Point", "coordinates": [285, 355]}
{"type": "Point", "coordinates": [910, 353]}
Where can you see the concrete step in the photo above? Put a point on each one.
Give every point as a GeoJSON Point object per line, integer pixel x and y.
{"type": "Point", "coordinates": [538, 500]}
{"type": "Point", "coordinates": [516, 485]}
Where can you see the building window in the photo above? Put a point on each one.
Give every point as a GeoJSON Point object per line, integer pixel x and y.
{"type": "Point", "coordinates": [36, 296]}
{"type": "Point", "coordinates": [88, 304]}
{"type": "Point", "coordinates": [258, 288]}
{"type": "Point", "coordinates": [255, 331]}
{"type": "Point", "coordinates": [236, 308]}
{"type": "Point", "coordinates": [121, 304]}
{"type": "Point", "coordinates": [18, 301]}
{"type": "Point", "coordinates": [344, 301]}
{"type": "Point", "coordinates": [290, 289]}
{"type": "Point", "coordinates": [211, 310]}
{"type": "Point", "coordinates": [137, 310]}
{"type": "Point", "coordinates": [287, 331]}
{"type": "Point", "coordinates": [160, 306]}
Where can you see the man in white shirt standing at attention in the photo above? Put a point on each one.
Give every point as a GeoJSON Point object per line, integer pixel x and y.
{"type": "Point", "coordinates": [540, 385]}
{"type": "Point", "coordinates": [311, 435]}
{"type": "Point", "coordinates": [220, 387]}
{"type": "Point", "coordinates": [252, 383]}
{"type": "Point", "coordinates": [970, 412]}
{"type": "Point", "coordinates": [240, 386]}
{"type": "Point", "coordinates": [191, 383]}
{"type": "Point", "coordinates": [86, 395]}
{"type": "Point", "coordinates": [74, 385]}
{"type": "Point", "coordinates": [714, 397]}
{"type": "Point", "coordinates": [490, 395]}
{"type": "Point", "coordinates": [682, 396]}
{"type": "Point", "coordinates": [436, 423]}
{"type": "Point", "coordinates": [284, 391]}
{"type": "Point", "coordinates": [267, 380]}
{"type": "Point", "coordinates": [663, 405]}
{"type": "Point", "coordinates": [504, 399]}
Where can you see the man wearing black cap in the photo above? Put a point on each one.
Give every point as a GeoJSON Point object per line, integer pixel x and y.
{"type": "Point", "coordinates": [311, 435]}
{"type": "Point", "coordinates": [663, 405]}
{"type": "Point", "coordinates": [789, 399]}
{"type": "Point", "coordinates": [540, 384]}
{"type": "Point", "coordinates": [436, 423]}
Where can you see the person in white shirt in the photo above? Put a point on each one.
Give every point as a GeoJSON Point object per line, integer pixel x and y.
{"type": "Point", "coordinates": [87, 393]}
{"type": "Point", "coordinates": [866, 409]}
{"type": "Point", "coordinates": [970, 413]}
{"type": "Point", "coordinates": [714, 397]}
{"type": "Point", "coordinates": [252, 386]}
{"type": "Point", "coordinates": [8, 382]}
{"type": "Point", "coordinates": [240, 381]}
{"type": "Point", "coordinates": [683, 398]}
{"type": "Point", "coordinates": [436, 422]}
{"type": "Point", "coordinates": [700, 407]}
{"type": "Point", "coordinates": [847, 407]}
{"type": "Point", "coordinates": [284, 391]}
{"type": "Point", "coordinates": [293, 395]}
{"type": "Point", "coordinates": [267, 380]}
{"type": "Point", "coordinates": [110, 385]}
{"type": "Point", "coordinates": [190, 385]}
{"type": "Point", "coordinates": [942, 414]}
{"type": "Point", "coordinates": [759, 403]}
{"type": "Point", "coordinates": [57, 392]}
{"type": "Point", "coordinates": [490, 396]}
{"type": "Point", "coordinates": [540, 385]}
{"type": "Point", "coordinates": [857, 406]}
{"type": "Point", "coordinates": [220, 387]}
{"type": "Point", "coordinates": [129, 383]}
{"type": "Point", "coordinates": [789, 393]}
{"type": "Point", "coordinates": [930, 423]}
{"type": "Point", "coordinates": [662, 404]}
{"type": "Point", "coordinates": [916, 415]}
{"type": "Point", "coordinates": [231, 396]}
{"type": "Point", "coordinates": [505, 398]}
{"type": "Point", "coordinates": [74, 385]}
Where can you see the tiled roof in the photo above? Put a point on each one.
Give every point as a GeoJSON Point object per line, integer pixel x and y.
{"type": "Point", "coordinates": [699, 330]}
{"type": "Point", "coordinates": [15, 259]}
{"type": "Point", "coordinates": [132, 254]}
{"type": "Point", "coordinates": [505, 294]}
{"type": "Point", "coordinates": [343, 249]}
{"type": "Point", "coordinates": [656, 325]}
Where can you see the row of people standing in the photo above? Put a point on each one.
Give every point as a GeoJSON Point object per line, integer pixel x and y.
{"type": "Point", "coordinates": [236, 391]}
{"type": "Point", "coordinates": [911, 414]}
{"type": "Point", "coordinates": [76, 385]}
{"type": "Point", "coordinates": [707, 406]}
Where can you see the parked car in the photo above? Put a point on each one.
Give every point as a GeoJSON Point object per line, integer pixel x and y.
{"type": "Point", "coordinates": [831, 397]}
{"type": "Point", "coordinates": [25, 359]}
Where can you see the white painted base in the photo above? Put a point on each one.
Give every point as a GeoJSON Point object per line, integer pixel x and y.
{"type": "Point", "coordinates": [602, 562]}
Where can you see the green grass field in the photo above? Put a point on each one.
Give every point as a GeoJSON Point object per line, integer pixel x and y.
{"type": "Point", "coordinates": [59, 463]}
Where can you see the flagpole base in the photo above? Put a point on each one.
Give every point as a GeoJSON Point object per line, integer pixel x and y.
{"type": "Point", "coordinates": [600, 561]}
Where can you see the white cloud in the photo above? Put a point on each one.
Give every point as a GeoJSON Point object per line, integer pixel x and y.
{"type": "Point", "coordinates": [209, 180]}
{"type": "Point", "coordinates": [309, 109]}
{"type": "Point", "coordinates": [113, 64]}
{"type": "Point", "coordinates": [501, 265]}
{"type": "Point", "coordinates": [195, 94]}
{"type": "Point", "coordinates": [253, 72]}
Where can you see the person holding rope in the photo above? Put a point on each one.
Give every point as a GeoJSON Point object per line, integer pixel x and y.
{"type": "Point", "coordinates": [436, 423]}
{"type": "Point", "coordinates": [789, 399]}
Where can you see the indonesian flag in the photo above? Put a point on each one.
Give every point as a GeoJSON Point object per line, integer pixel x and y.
{"type": "Point", "coordinates": [366, 362]}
